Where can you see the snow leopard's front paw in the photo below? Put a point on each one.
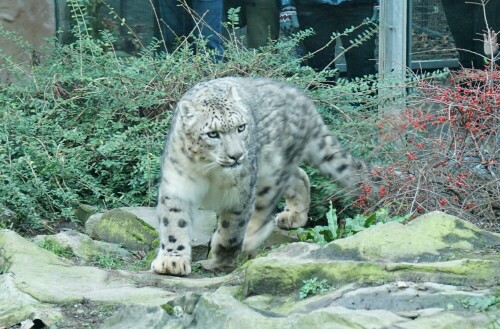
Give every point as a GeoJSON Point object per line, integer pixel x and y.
{"type": "Point", "coordinates": [288, 220]}
{"type": "Point", "coordinates": [173, 265]}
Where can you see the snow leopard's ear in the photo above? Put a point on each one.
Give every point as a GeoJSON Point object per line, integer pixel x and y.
{"type": "Point", "coordinates": [232, 94]}
{"type": "Point", "coordinates": [187, 112]}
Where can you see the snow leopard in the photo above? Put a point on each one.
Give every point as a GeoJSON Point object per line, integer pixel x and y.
{"type": "Point", "coordinates": [235, 146]}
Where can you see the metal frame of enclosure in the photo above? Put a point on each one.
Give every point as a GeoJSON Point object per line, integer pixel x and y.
{"type": "Point", "coordinates": [398, 37]}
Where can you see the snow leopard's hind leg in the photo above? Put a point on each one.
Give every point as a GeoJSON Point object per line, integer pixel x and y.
{"type": "Point", "coordinates": [297, 197]}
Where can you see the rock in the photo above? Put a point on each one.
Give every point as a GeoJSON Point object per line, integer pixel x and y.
{"type": "Point", "coordinates": [34, 21]}
{"type": "Point", "coordinates": [35, 279]}
{"type": "Point", "coordinates": [415, 298]}
{"type": "Point", "coordinates": [435, 247]}
{"type": "Point", "coordinates": [123, 228]}
{"type": "Point", "coordinates": [435, 236]}
{"type": "Point", "coordinates": [335, 310]}
{"type": "Point", "coordinates": [451, 282]}
{"type": "Point", "coordinates": [17, 306]}
{"type": "Point", "coordinates": [84, 247]}
{"type": "Point", "coordinates": [450, 320]}
{"type": "Point", "coordinates": [216, 310]}
{"type": "Point", "coordinates": [279, 237]}
{"type": "Point", "coordinates": [49, 278]}
{"type": "Point", "coordinates": [137, 316]}
{"type": "Point", "coordinates": [91, 223]}
{"type": "Point", "coordinates": [84, 211]}
{"type": "Point", "coordinates": [173, 315]}
{"type": "Point", "coordinates": [345, 318]}
{"type": "Point", "coordinates": [147, 214]}
{"type": "Point", "coordinates": [402, 284]}
{"type": "Point", "coordinates": [366, 307]}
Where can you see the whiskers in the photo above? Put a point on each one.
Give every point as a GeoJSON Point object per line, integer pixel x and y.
{"type": "Point", "coordinates": [209, 166]}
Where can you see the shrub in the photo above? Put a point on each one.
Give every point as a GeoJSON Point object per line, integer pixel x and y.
{"type": "Point", "coordinates": [80, 134]}
{"type": "Point", "coordinates": [447, 150]}
{"type": "Point", "coordinates": [87, 126]}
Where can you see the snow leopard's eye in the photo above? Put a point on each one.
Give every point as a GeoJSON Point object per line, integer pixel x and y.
{"type": "Point", "coordinates": [241, 128]}
{"type": "Point", "coordinates": [213, 134]}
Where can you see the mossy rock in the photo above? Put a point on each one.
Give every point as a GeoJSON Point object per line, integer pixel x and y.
{"type": "Point", "coordinates": [435, 236]}
{"type": "Point", "coordinates": [435, 247]}
{"type": "Point", "coordinates": [124, 228]}
{"type": "Point", "coordinates": [84, 211]}
{"type": "Point", "coordinates": [83, 246]}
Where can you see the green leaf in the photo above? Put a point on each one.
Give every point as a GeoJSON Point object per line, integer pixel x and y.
{"type": "Point", "coordinates": [331, 217]}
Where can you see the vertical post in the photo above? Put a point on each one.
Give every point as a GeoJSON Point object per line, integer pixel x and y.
{"type": "Point", "coordinates": [392, 53]}
{"type": "Point", "coordinates": [63, 18]}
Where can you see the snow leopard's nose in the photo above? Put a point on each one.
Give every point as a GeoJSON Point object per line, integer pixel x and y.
{"type": "Point", "coordinates": [236, 156]}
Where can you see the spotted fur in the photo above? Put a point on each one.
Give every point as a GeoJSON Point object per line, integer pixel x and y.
{"type": "Point", "coordinates": [235, 146]}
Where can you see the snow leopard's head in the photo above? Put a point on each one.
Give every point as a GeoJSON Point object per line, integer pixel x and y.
{"type": "Point", "coordinates": [216, 125]}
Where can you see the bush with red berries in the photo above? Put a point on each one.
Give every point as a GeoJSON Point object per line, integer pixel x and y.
{"type": "Point", "coordinates": [445, 151]}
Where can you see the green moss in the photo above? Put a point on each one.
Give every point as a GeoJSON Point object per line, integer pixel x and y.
{"type": "Point", "coordinates": [84, 211]}
{"type": "Point", "coordinates": [483, 269]}
{"type": "Point", "coordinates": [149, 228]}
{"type": "Point", "coordinates": [482, 304]}
{"type": "Point", "coordinates": [283, 276]}
{"type": "Point", "coordinates": [429, 238]}
{"type": "Point", "coordinates": [278, 277]}
{"type": "Point", "coordinates": [115, 262]}
{"type": "Point", "coordinates": [239, 294]}
{"type": "Point", "coordinates": [156, 242]}
{"type": "Point", "coordinates": [168, 308]}
{"type": "Point", "coordinates": [122, 227]}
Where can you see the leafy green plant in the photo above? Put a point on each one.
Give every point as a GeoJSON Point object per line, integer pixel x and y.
{"type": "Point", "coordinates": [323, 234]}
{"type": "Point", "coordinates": [362, 222]}
{"type": "Point", "coordinates": [56, 247]}
{"type": "Point", "coordinates": [313, 287]}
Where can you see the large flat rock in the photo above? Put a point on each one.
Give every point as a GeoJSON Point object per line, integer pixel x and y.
{"type": "Point", "coordinates": [49, 278]}
{"type": "Point", "coordinates": [40, 276]}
